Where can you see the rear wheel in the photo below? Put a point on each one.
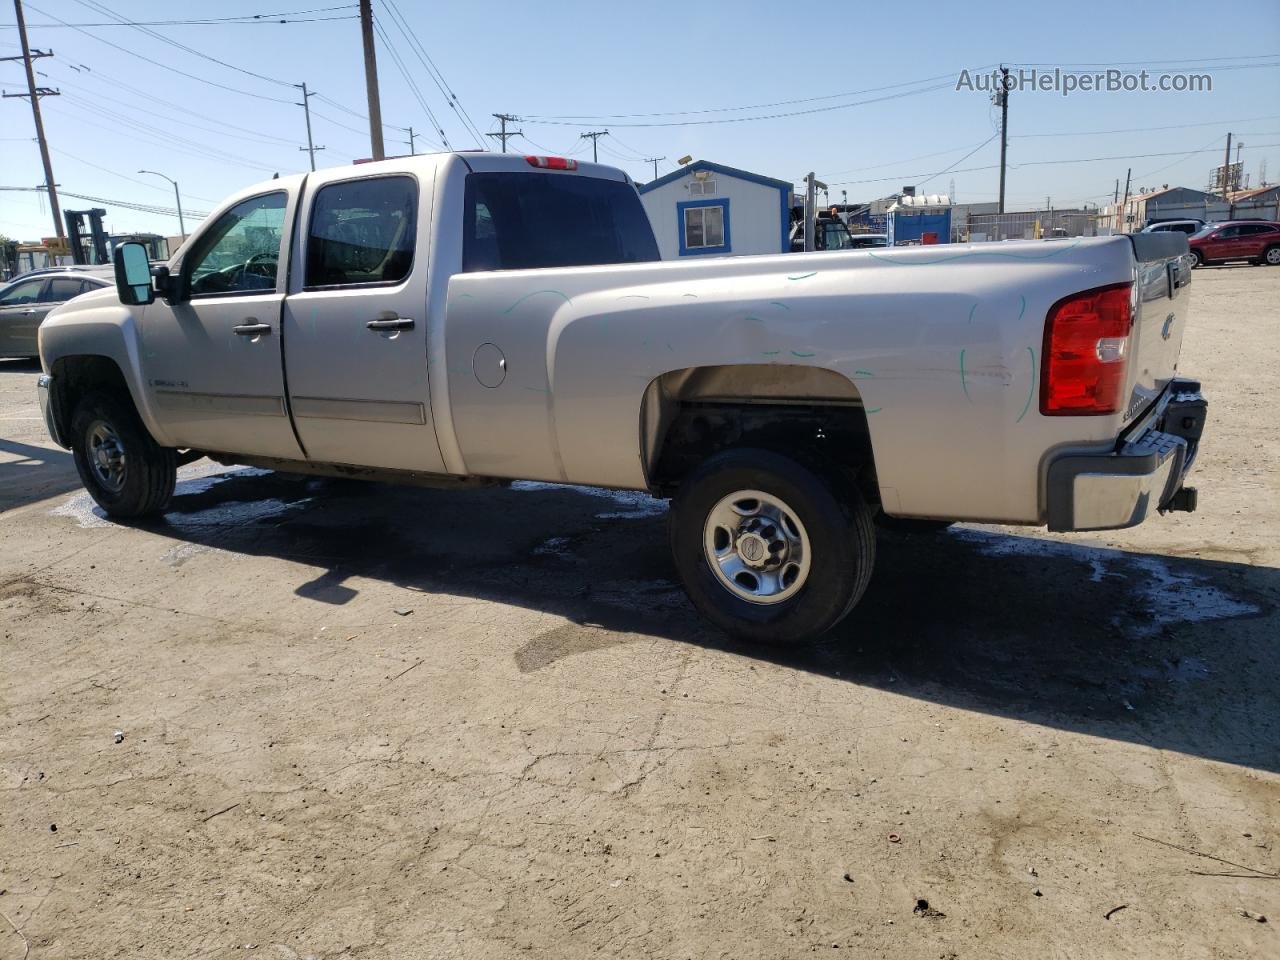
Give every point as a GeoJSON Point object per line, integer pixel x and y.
{"type": "Point", "coordinates": [1272, 256]}
{"type": "Point", "coordinates": [768, 550]}
{"type": "Point", "coordinates": [125, 471]}
{"type": "Point", "coordinates": [1197, 259]}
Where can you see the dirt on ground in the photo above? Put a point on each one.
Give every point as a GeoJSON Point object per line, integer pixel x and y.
{"type": "Point", "coordinates": [312, 718]}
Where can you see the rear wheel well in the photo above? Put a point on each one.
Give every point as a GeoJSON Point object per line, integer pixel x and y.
{"type": "Point", "coordinates": [75, 377]}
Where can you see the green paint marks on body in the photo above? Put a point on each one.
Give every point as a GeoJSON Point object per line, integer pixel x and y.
{"type": "Point", "coordinates": [863, 373]}
{"type": "Point", "coordinates": [769, 353]}
{"type": "Point", "coordinates": [779, 303]}
{"type": "Point", "coordinates": [803, 276]}
{"type": "Point", "coordinates": [1022, 307]}
{"type": "Point", "coordinates": [963, 385]}
{"type": "Point", "coordinates": [1031, 388]}
{"type": "Point", "coordinates": [972, 309]}
{"type": "Point", "coordinates": [796, 353]}
{"type": "Point", "coordinates": [874, 410]}
{"type": "Point", "coordinates": [535, 293]}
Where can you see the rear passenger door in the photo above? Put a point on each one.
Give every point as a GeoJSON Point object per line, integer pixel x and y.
{"type": "Point", "coordinates": [355, 323]}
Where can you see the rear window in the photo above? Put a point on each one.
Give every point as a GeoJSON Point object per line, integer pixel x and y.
{"type": "Point", "coordinates": [519, 221]}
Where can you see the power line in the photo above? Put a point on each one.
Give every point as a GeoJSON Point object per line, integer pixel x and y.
{"type": "Point", "coordinates": [416, 47]}
{"type": "Point", "coordinates": [408, 79]}
{"type": "Point", "coordinates": [1174, 126]}
{"type": "Point", "coordinates": [115, 173]}
{"type": "Point", "coordinates": [1042, 163]}
{"type": "Point", "coordinates": [253, 20]}
{"type": "Point", "coordinates": [165, 66]}
{"type": "Point", "coordinates": [766, 116]}
{"type": "Point", "coordinates": [245, 134]}
{"type": "Point", "coordinates": [165, 134]}
{"type": "Point", "coordinates": [93, 5]}
{"type": "Point", "coordinates": [756, 106]}
{"type": "Point", "coordinates": [950, 167]}
{"type": "Point", "coordinates": [126, 204]}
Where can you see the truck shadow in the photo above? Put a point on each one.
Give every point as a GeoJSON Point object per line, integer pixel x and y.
{"type": "Point", "coordinates": [1173, 653]}
{"type": "Point", "coordinates": [29, 473]}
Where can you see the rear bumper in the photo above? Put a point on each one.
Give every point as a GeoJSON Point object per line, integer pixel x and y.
{"type": "Point", "coordinates": [1145, 472]}
{"type": "Point", "coordinates": [44, 389]}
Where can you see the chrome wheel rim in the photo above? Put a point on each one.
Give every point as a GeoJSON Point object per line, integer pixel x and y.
{"type": "Point", "coordinates": [757, 547]}
{"type": "Point", "coordinates": [106, 456]}
{"type": "Point", "coordinates": [1273, 256]}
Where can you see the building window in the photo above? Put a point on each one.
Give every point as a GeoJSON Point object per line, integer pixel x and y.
{"type": "Point", "coordinates": [702, 188]}
{"type": "Point", "coordinates": [704, 227]}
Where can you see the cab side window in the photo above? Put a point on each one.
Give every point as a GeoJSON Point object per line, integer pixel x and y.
{"type": "Point", "coordinates": [241, 253]}
{"type": "Point", "coordinates": [362, 232]}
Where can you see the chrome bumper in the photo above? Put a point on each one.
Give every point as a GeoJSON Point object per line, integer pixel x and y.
{"type": "Point", "coordinates": [1144, 474]}
{"type": "Point", "coordinates": [44, 389]}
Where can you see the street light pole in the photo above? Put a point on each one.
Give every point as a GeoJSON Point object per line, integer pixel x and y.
{"type": "Point", "coordinates": [182, 226]}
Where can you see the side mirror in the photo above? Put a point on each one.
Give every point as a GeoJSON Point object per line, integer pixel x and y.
{"type": "Point", "coordinates": [133, 275]}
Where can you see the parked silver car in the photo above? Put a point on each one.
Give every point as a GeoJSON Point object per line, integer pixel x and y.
{"type": "Point", "coordinates": [26, 301]}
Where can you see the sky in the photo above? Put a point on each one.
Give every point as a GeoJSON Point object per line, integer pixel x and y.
{"type": "Point", "coordinates": [865, 95]}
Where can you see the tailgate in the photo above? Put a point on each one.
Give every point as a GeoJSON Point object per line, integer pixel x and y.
{"type": "Point", "coordinates": [1162, 280]}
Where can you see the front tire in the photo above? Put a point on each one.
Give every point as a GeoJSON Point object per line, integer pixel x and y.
{"type": "Point", "coordinates": [126, 472]}
{"type": "Point", "coordinates": [768, 550]}
{"type": "Point", "coordinates": [1197, 259]}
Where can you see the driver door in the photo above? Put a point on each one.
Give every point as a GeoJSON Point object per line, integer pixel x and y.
{"type": "Point", "coordinates": [212, 361]}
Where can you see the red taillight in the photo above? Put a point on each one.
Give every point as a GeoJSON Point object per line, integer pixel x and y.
{"type": "Point", "coordinates": [552, 163]}
{"type": "Point", "coordinates": [1086, 349]}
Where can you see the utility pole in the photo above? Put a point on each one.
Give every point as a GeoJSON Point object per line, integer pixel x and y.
{"type": "Point", "coordinates": [654, 161]}
{"type": "Point", "coordinates": [1124, 214]}
{"type": "Point", "coordinates": [810, 213]}
{"type": "Point", "coordinates": [371, 80]}
{"type": "Point", "coordinates": [35, 93]}
{"type": "Point", "coordinates": [1003, 99]}
{"type": "Point", "coordinates": [1115, 198]}
{"type": "Point", "coordinates": [1226, 172]}
{"type": "Point", "coordinates": [412, 152]}
{"type": "Point", "coordinates": [310, 148]}
{"type": "Point", "coordinates": [503, 135]}
{"type": "Point", "coordinates": [595, 136]}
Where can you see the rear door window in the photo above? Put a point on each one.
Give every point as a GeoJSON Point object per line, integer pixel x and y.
{"type": "Point", "coordinates": [362, 232]}
{"type": "Point", "coordinates": [62, 288]}
{"type": "Point", "coordinates": [521, 221]}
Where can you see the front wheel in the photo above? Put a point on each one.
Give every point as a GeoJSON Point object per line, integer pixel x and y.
{"type": "Point", "coordinates": [126, 472]}
{"type": "Point", "coordinates": [1197, 259]}
{"type": "Point", "coordinates": [768, 550]}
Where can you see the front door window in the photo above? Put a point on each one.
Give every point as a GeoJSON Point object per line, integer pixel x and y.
{"type": "Point", "coordinates": [241, 254]}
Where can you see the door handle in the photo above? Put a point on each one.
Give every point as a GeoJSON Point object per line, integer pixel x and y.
{"type": "Point", "coordinates": [399, 323]}
{"type": "Point", "coordinates": [251, 329]}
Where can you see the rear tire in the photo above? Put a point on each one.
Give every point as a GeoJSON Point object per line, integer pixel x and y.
{"type": "Point", "coordinates": [769, 551]}
{"type": "Point", "coordinates": [126, 472]}
{"type": "Point", "coordinates": [1271, 256]}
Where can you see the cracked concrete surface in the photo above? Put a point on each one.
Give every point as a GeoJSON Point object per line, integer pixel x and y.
{"type": "Point", "coordinates": [550, 756]}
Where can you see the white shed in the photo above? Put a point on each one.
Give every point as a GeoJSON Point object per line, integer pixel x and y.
{"type": "Point", "coordinates": [708, 208]}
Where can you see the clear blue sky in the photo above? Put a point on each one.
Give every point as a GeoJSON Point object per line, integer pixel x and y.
{"type": "Point", "coordinates": [596, 62]}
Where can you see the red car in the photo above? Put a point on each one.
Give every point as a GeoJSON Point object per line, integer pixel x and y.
{"type": "Point", "coordinates": [1257, 241]}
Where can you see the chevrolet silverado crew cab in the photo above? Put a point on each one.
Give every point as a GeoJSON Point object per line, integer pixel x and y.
{"type": "Point", "coordinates": [482, 318]}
